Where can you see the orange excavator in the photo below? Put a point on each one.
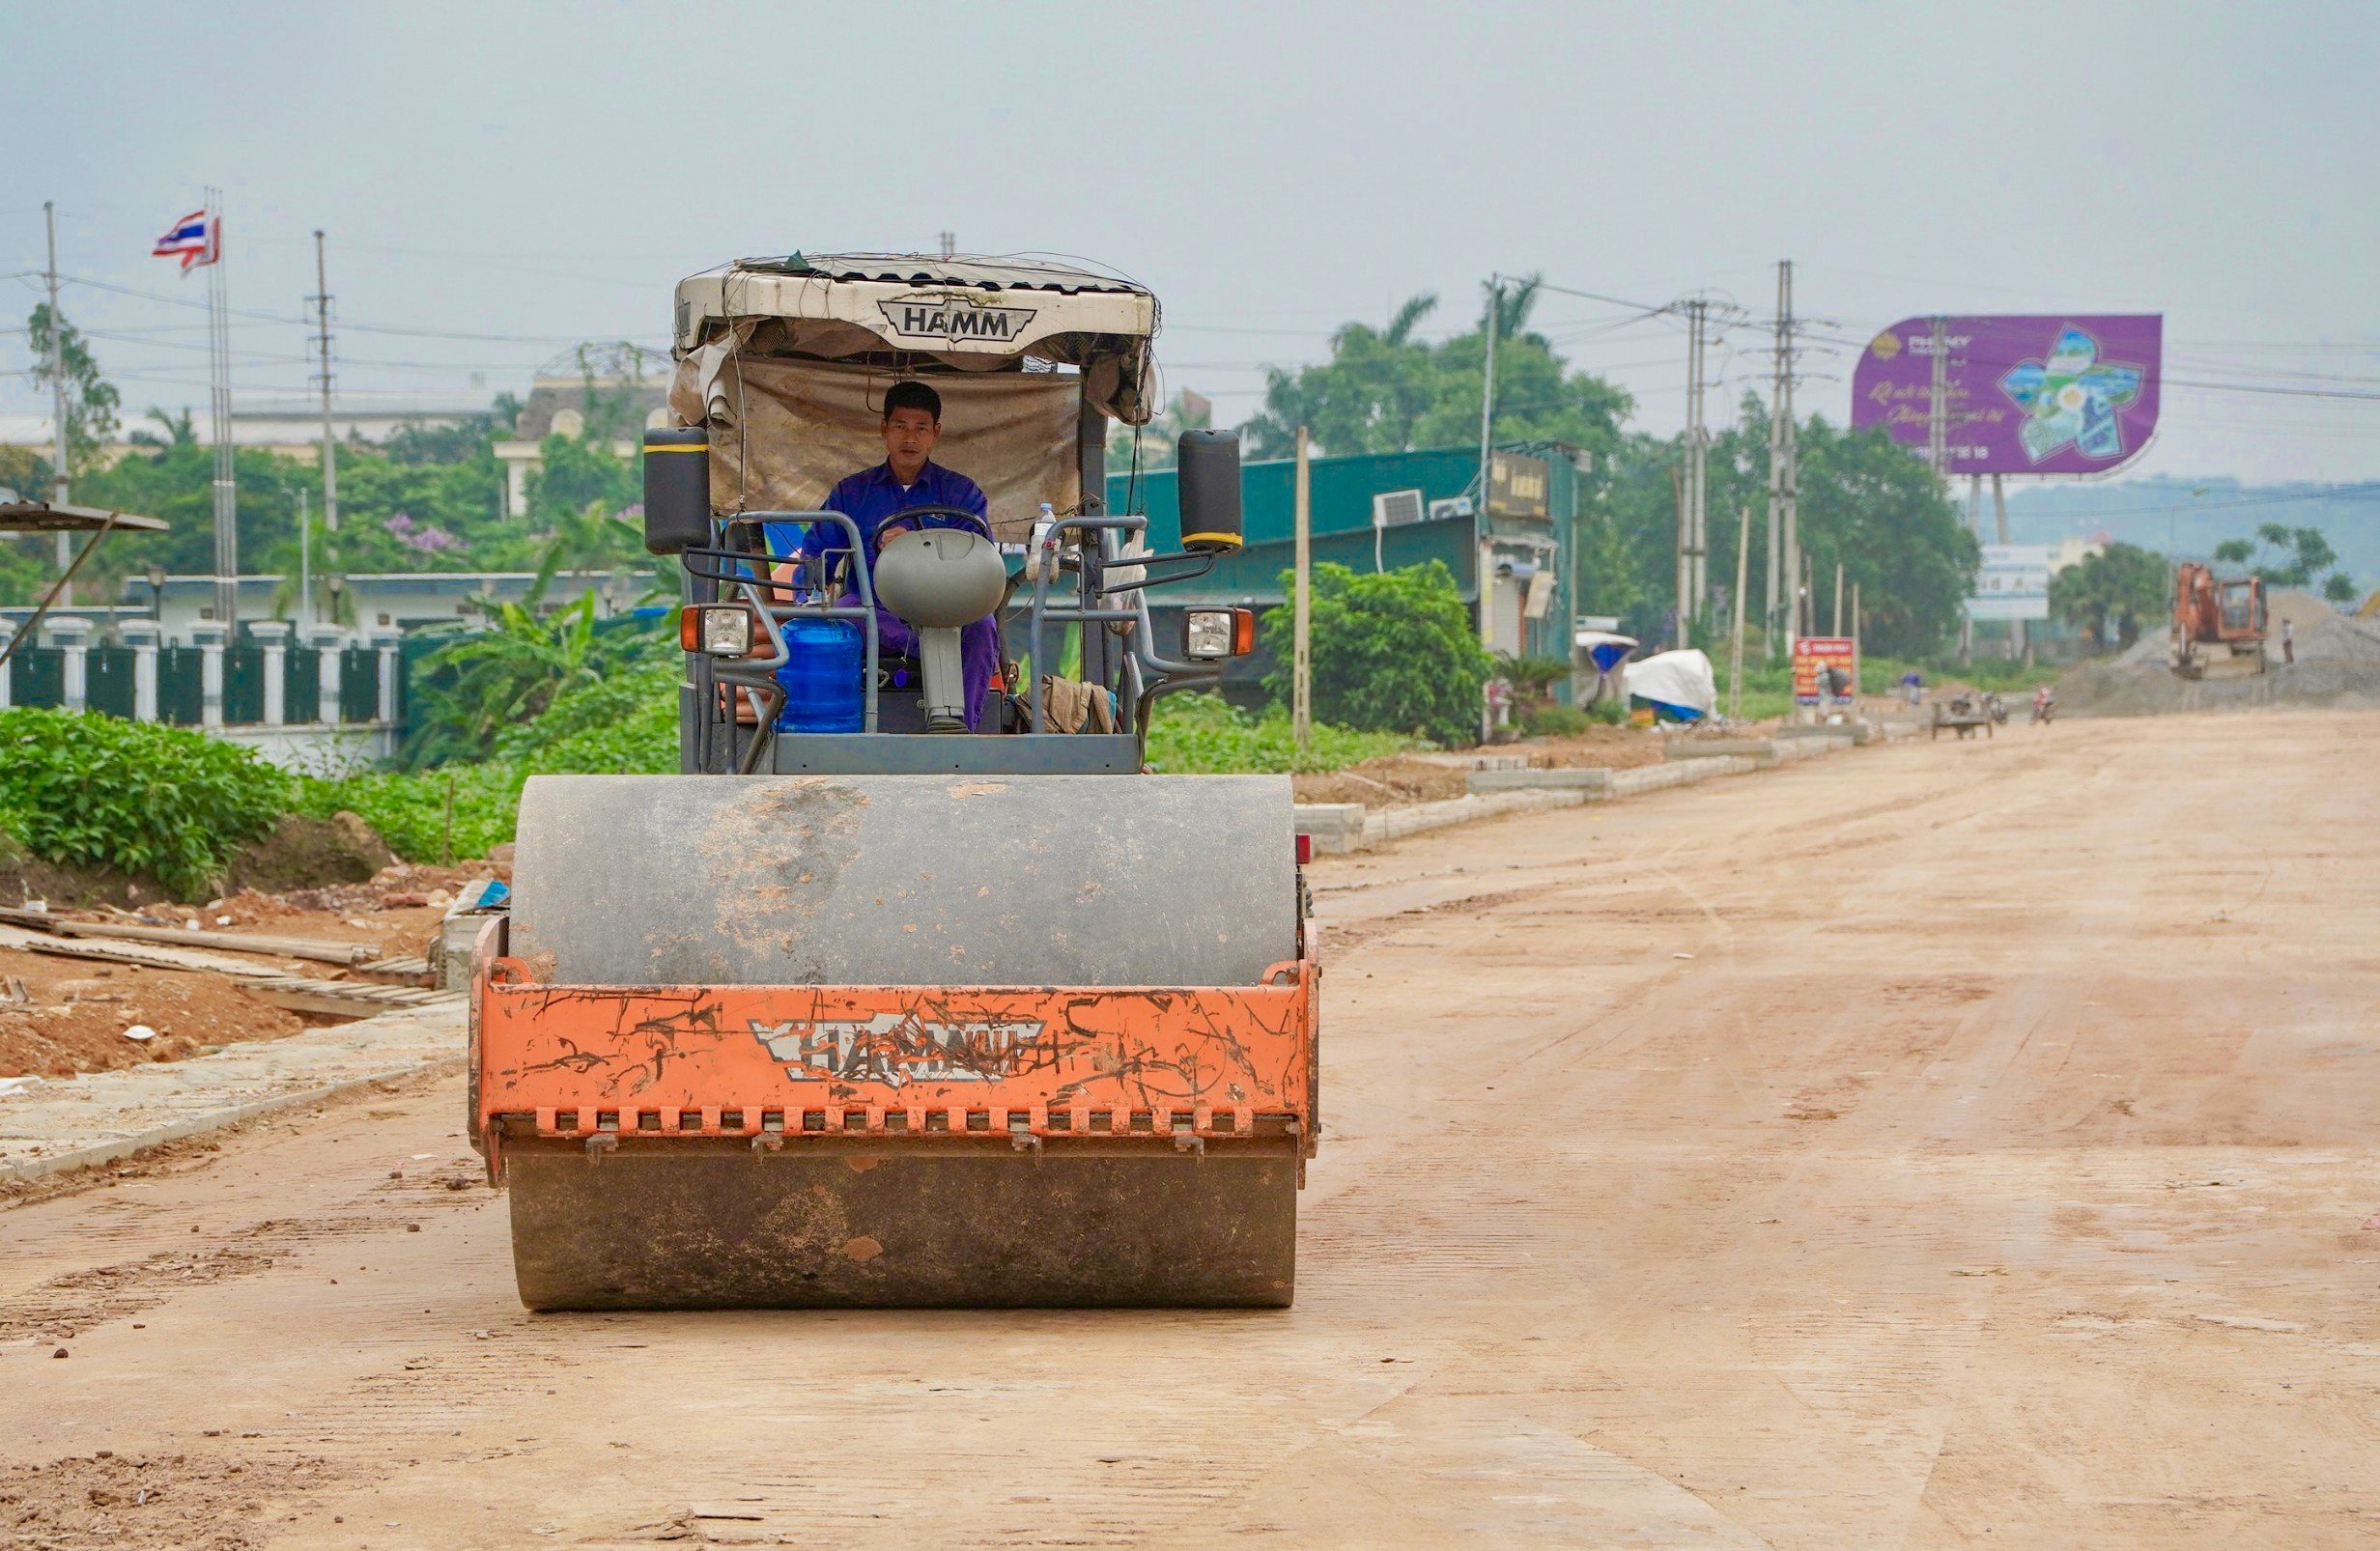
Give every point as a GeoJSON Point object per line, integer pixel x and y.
{"type": "Point", "coordinates": [2219, 625]}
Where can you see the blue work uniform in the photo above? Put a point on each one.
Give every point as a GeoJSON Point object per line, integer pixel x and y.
{"type": "Point", "coordinates": [871, 498]}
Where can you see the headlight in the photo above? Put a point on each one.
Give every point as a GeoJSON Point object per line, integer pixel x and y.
{"type": "Point", "coordinates": [716, 630]}
{"type": "Point", "coordinates": [1212, 634]}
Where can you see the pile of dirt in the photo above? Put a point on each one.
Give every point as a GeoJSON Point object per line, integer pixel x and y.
{"type": "Point", "coordinates": [1405, 779]}
{"type": "Point", "coordinates": [76, 1014]}
{"type": "Point", "coordinates": [296, 852]}
{"type": "Point", "coordinates": [304, 853]}
{"type": "Point", "coordinates": [2337, 664]}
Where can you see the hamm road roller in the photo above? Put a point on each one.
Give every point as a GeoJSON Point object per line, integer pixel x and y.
{"type": "Point", "coordinates": [915, 986]}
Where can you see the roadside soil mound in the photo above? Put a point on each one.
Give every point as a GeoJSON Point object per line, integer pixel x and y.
{"type": "Point", "coordinates": [304, 853]}
{"type": "Point", "coordinates": [2338, 665]}
{"type": "Point", "coordinates": [1404, 778]}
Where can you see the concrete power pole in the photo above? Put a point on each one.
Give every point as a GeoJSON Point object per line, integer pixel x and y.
{"type": "Point", "coordinates": [1483, 560]}
{"type": "Point", "coordinates": [1301, 664]}
{"type": "Point", "coordinates": [58, 484]}
{"type": "Point", "coordinates": [1697, 472]}
{"type": "Point", "coordinates": [1789, 454]}
{"type": "Point", "coordinates": [322, 340]}
{"type": "Point", "coordinates": [1776, 467]}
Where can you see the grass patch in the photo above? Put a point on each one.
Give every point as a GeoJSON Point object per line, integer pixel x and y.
{"type": "Point", "coordinates": [1206, 735]}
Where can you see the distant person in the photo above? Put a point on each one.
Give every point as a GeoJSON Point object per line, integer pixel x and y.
{"type": "Point", "coordinates": [1913, 687]}
{"type": "Point", "coordinates": [2288, 641]}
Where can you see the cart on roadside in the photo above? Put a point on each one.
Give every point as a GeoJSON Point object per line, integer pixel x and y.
{"type": "Point", "coordinates": [1962, 714]}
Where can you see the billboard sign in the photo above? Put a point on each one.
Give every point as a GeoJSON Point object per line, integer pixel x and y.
{"type": "Point", "coordinates": [2043, 393]}
{"type": "Point", "coordinates": [2013, 583]}
{"type": "Point", "coordinates": [1813, 657]}
{"type": "Point", "coordinates": [1516, 485]}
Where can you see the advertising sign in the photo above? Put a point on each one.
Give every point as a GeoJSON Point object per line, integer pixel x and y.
{"type": "Point", "coordinates": [1813, 656]}
{"type": "Point", "coordinates": [2014, 584]}
{"type": "Point", "coordinates": [2045, 393]}
{"type": "Point", "coordinates": [1516, 485]}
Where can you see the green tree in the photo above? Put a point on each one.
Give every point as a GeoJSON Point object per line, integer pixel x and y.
{"type": "Point", "coordinates": [2339, 589]}
{"type": "Point", "coordinates": [1384, 390]}
{"type": "Point", "coordinates": [1393, 651]}
{"type": "Point", "coordinates": [91, 400]}
{"type": "Point", "coordinates": [2123, 588]}
{"type": "Point", "coordinates": [474, 688]}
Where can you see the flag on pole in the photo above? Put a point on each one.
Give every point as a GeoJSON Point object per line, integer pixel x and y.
{"type": "Point", "coordinates": [196, 238]}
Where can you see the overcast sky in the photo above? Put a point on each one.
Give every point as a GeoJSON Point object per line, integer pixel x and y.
{"type": "Point", "coordinates": [546, 173]}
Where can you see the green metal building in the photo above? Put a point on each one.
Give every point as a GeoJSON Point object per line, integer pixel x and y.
{"type": "Point", "coordinates": [1386, 510]}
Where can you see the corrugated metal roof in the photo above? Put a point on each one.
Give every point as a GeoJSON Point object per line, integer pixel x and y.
{"type": "Point", "coordinates": [982, 271]}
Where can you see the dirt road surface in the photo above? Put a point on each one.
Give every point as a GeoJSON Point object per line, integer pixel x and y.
{"type": "Point", "coordinates": [1951, 1145]}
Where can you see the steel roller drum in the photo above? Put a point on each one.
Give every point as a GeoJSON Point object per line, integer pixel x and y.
{"type": "Point", "coordinates": [904, 880]}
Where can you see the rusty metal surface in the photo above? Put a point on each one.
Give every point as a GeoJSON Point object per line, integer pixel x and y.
{"type": "Point", "coordinates": [688, 1228]}
{"type": "Point", "coordinates": [830, 1060]}
{"type": "Point", "coordinates": [904, 880]}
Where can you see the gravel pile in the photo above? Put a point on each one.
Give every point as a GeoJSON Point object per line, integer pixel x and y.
{"type": "Point", "coordinates": [2337, 664]}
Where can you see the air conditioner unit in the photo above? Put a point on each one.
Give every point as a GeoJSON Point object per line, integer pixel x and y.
{"type": "Point", "coordinates": [1453, 506]}
{"type": "Point", "coordinates": [1395, 507]}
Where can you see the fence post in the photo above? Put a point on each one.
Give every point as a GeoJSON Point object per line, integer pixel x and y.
{"type": "Point", "coordinates": [8, 670]}
{"type": "Point", "coordinates": [328, 643]}
{"type": "Point", "coordinates": [141, 635]}
{"type": "Point", "coordinates": [387, 646]}
{"type": "Point", "coordinates": [209, 635]}
{"type": "Point", "coordinates": [272, 635]}
{"type": "Point", "coordinates": [71, 635]}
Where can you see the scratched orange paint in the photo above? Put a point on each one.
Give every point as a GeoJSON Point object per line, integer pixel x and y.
{"type": "Point", "coordinates": [1020, 1050]}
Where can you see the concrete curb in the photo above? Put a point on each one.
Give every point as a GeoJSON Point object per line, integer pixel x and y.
{"type": "Point", "coordinates": [1341, 828]}
{"type": "Point", "coordinates": [144, 1107]}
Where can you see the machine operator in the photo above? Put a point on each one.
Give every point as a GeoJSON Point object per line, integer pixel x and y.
{"type": "Point", "coordinates": [876, 499]}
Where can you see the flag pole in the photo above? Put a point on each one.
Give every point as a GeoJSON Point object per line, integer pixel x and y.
{"type": "Point", "coordinates": [226, 482]}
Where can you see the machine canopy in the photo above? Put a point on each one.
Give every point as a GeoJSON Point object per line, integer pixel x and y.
{"type": "Point", "coordinates": [786, 360]}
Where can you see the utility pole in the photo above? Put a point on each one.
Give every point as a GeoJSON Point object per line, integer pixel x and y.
{"type": "Point", "coordinates": [1838, 599]}
{"type": "Point", "coordinates": [1686, 578]}
{"type": "Point", "coordinates": [1735, 657]}
{"type": "Point", "coordinates": [1776, 459]}
{"type": "Point", "coordinates": [1484, 560]}
{"type": "Point", "coordinates": [1788, 456]}
{"type": "Point", "coordinates": [322, 339]}
{"type": "Point", "coordinates": [58, 484]}
{"type": "Point", "coordinates": [305, 566]}
{"type": "Point", "coordinates": [1301, 665]}
{"type": "Point", "coordinates": [1697, 480]}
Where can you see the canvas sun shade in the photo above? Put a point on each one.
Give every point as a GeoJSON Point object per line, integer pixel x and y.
{"type": "Point", "coordinates": [783, 431]}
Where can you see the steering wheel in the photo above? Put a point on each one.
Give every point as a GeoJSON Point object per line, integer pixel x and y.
{"type": "Point", "coordinates": [957, 514]}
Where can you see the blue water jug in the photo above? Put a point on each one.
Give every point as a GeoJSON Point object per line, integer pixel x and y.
{"type": "Point", "coordinates": [821, 676]}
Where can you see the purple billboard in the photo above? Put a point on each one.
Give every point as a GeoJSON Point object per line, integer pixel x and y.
{"type": "Point", "coordinates": [2047, 393]}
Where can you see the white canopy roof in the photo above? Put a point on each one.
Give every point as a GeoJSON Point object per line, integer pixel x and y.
{"type": "Point", "coordinates": [967, 313]}
{"type": "Point", "coordinates": [964, 306]}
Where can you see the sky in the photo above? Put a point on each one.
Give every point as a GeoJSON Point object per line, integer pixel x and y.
{"type": "Point", "coordinates": [498, 181]}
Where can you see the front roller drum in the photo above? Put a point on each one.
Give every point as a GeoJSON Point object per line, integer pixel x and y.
{"type": "Point", "coordinates": [695, 1226]}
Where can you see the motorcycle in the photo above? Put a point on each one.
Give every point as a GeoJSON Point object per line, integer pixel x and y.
{"type": "Point", "coordinates": [2044, 709]}
{"type": "Point", "coordinates": [1995, 708]}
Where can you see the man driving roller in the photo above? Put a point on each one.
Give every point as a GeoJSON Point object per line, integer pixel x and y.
{"type": "Point", "coordinates": [876, 499]}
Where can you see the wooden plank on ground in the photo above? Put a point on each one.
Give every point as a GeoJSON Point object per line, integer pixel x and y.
{"type": "Point", "coordinates": [321, 949]}
{"type": "Point", "coordinates": [405, 969]}
{"type": "Point", "coordinates": [147, 955]}
{"type": "Point", "coordinates": [345, 998]}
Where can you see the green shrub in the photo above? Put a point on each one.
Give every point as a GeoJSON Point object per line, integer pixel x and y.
{"type": "Point", "coordinates": [1205, 735]}
{"type": "Point", "coordinates": [143, 797]}
{"type": "Point", "coordinates": [1554, 722]}
{"type": "Point", "coordinates": [1393, 651]}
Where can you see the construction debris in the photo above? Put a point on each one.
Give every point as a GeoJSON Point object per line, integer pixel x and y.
{"type": "Point", "coordinates": [344, 998]}
{"type": "Point", "coordinates": [321, 949]}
